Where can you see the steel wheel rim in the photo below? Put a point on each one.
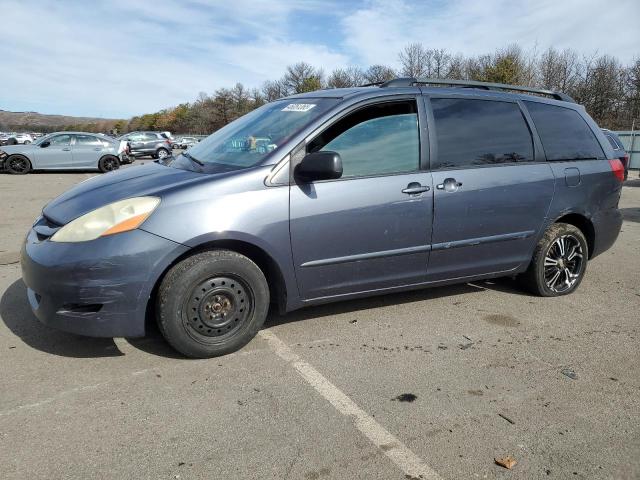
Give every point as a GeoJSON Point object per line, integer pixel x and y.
{"type": "Point", "coordinates": [18, 164]}
{"type": "Point", "coordinates": [217, 308]}
{"type": "Point", "coordinates": [563, 263]}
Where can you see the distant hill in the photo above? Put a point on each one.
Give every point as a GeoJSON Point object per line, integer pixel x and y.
{"type": "Point", "coordinates": [38, 122]}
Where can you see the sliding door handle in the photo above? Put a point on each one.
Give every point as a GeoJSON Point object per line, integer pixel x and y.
{"type": "Point", "coordinates": [415, 188]}
{"type": "Point", "coordinates": [449, 185]}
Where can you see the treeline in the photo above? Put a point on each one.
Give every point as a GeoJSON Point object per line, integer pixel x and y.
{"type": "Point", "coordinates": [608, 89]}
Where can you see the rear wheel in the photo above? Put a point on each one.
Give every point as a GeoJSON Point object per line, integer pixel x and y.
{"type": "Point", "coordinates": [212, 303]}
{"type": "Point", "coordinates": [18, 164]}
{"type": "Point", "coordinates": [108, 164]}
{"type": "Point", "coordinates": [559, 262]}
{"type": "Point", "coordinates": [162, 153]}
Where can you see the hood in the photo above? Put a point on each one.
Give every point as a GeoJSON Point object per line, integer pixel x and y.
{"type": "Point", "coordinates": [138, 181]}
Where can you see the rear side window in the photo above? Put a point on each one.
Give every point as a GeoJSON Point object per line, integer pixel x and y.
{"type": "Point", "coordinates": [374, 140]}
{"type": "Point", "coordinates": [564, 133]}
{"type": "Point", "coordinates": [479, 132]}
{"type": "Point", "coordinates": [87, 140]}
{"type": "Point", "coordinates": [614, 144]}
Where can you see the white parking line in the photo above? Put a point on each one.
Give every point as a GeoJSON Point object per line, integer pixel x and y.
{"type": "Point", "coordinates": [412, 465]}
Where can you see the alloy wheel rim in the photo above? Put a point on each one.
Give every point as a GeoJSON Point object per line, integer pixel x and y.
{"type": "Point", "coordinates": [162, 154]}
{"type": "Point", "coordinates": [217, 307]}
{"type": "Point", "coordinates": [110, 164]}
{"type": "Point", "coordinates": [563, 263]}
{"type": "Point", "coordinates": [18, 164]}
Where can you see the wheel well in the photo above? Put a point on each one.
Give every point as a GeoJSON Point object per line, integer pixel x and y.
{"type": "Point", "coordinates": [584, 224]}
{"type": "Point", "coordinates": [275, 279]}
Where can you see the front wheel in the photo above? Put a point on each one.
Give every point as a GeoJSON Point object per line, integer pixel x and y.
{"type": "Point", "coordinates": [108, 164]}
{"type": "Point", "coordinates": [212, 303]}
{"type": "Point", "coordinates": [18, 165]}
{"type": "Point", "coordinates": [559, 262]}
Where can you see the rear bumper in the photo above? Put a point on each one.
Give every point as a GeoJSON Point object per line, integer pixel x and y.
{"type": "Point", "coordinates": [99, 288]}
{"type": "Point", "coordinates": [607, 224]}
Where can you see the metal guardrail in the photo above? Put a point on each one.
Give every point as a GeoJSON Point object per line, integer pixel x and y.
{"type": "Point", "coordinates": [631, 142]}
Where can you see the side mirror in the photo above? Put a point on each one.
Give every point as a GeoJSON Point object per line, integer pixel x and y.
{"type": "Point", "coordinates": [319, 166]}
{"type": "Point", "coordinates": [45, 144]}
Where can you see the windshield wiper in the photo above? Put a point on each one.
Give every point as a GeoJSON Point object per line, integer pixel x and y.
{"type": "Point", "coordinates": [193, 159]}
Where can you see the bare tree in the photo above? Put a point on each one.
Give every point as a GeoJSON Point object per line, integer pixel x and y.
{"type": "Point", "coordinates": [415, 59]}
{"type": "Point", "coordinates": [379, 73]}
{"type": "Point", "coordinates": [346, 77]}
{"type": "Point", "coordinates": [302, 77]}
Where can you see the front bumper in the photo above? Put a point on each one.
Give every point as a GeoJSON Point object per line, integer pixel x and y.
{"type": "Point", "coordinates": [98, 288]}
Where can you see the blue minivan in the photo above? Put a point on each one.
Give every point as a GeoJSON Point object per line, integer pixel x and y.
{"type": "Point", "coordinates": [327, 196]}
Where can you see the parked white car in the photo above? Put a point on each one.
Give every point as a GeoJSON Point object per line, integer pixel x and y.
{"type": "Point", "coordinates": [23, 138]}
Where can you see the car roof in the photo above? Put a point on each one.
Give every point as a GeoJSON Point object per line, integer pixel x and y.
{"type": "Point", "coordinates": [375, 91]}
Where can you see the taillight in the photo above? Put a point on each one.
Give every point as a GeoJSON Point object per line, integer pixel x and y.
{"type": "Point", "coordinates": [617, 168]}
{"type": "Point", "coordinates": [626, 160]}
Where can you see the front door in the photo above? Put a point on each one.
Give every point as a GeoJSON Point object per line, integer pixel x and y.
{"type": "Point", "coordinates": [370, 229]}
{"type": "Point", "coordinates": [492, 188]}
{"type": "Point", "coordinates": [55, 152]}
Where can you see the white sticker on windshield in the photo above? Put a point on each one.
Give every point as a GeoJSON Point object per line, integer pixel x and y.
{"type": "Point", "coordinates": [298, 107]}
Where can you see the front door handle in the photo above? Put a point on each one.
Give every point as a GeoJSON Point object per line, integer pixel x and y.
{"type": "Point", "coordinates": [414, 188]}
{"type": "Point", "coordinates": [449, 185]}
{"type": "Point", "coordinates": [67, 149]}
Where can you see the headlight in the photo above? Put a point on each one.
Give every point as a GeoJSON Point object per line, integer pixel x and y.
{"type": "Point", "coordinates": [116, 217]}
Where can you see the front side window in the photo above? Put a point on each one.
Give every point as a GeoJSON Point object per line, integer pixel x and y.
{"type": "Point", "coordinates": [60, 140]}
{"type": "Point", "coordinates": [564, 133]}
{"type": "Point", "coordinates": [473, 132]}
{"type": "Point", "coordinates": [374, 140]}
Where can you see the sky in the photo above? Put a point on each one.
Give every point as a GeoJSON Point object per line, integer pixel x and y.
{"type": "Point", "coordinates": [119, 58]}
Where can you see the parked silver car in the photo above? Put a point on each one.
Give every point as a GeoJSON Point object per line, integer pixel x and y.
{"type": "Point", "coordinates": [67, 151]}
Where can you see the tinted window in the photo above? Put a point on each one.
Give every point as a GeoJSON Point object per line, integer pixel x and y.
{"type": "Point", "coordinates": [613, 142]}
{"type": "Point", "coordinates": [480, 132]}
{"type": "Point", "coordinates": [564, 133]}
{"type": "Point", "coordinates": [150, 136]}
{"type": "Point", "coordinates": [87, 140]}
{"type": "Point", "coordinates": [60, 140]}
{"type": "Point", "coordinates": [374, 140]}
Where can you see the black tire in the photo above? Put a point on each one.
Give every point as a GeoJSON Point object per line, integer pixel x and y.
{"type": "Point", "coordinates": [162, 153]}
{"type": "Point", "coordinates": [212, 303]}
{"type": "Point", "coordinates": [17, 165]}
{"type": "Point", "coordinates": [27, 142]}
{"type": "Point", "coordinates": [108, 163]}
{"type": "Point", "coordinates": [571, 262]}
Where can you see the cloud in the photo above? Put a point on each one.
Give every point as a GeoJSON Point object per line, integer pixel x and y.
{"type": "Point", "coordinates": [377, 31]}
{"type": "Point", "coordinates": [118, 58]}
{"type": "Point", "coordinates": [123, 58]}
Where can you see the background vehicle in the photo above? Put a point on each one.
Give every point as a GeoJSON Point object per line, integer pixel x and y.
{"type": "Point", "coordinates": [23, 138]}
{"type": "Point", "coordinates": [618, 149]}
{"type": "Point", "coordinates": [186, 142]}
{"type": "Point", "coordinates": [152, 144]}
{"type": "Point", "coordinates": [64, 150]}
{"type": "Point", "coordinates": [331, 195]}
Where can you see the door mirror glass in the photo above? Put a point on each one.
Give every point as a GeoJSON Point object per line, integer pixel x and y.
{"type": "Point", "coordinates": [324, 165]}
{"type": "Point", "coordinates": [45, 144]}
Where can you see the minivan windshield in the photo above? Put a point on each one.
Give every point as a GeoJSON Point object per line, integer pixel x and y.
{"type": "Point", "coordinates": [249, 139]}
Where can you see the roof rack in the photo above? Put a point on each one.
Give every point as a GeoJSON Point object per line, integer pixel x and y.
{"type": "Point", "coordinates": [410, 82]}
